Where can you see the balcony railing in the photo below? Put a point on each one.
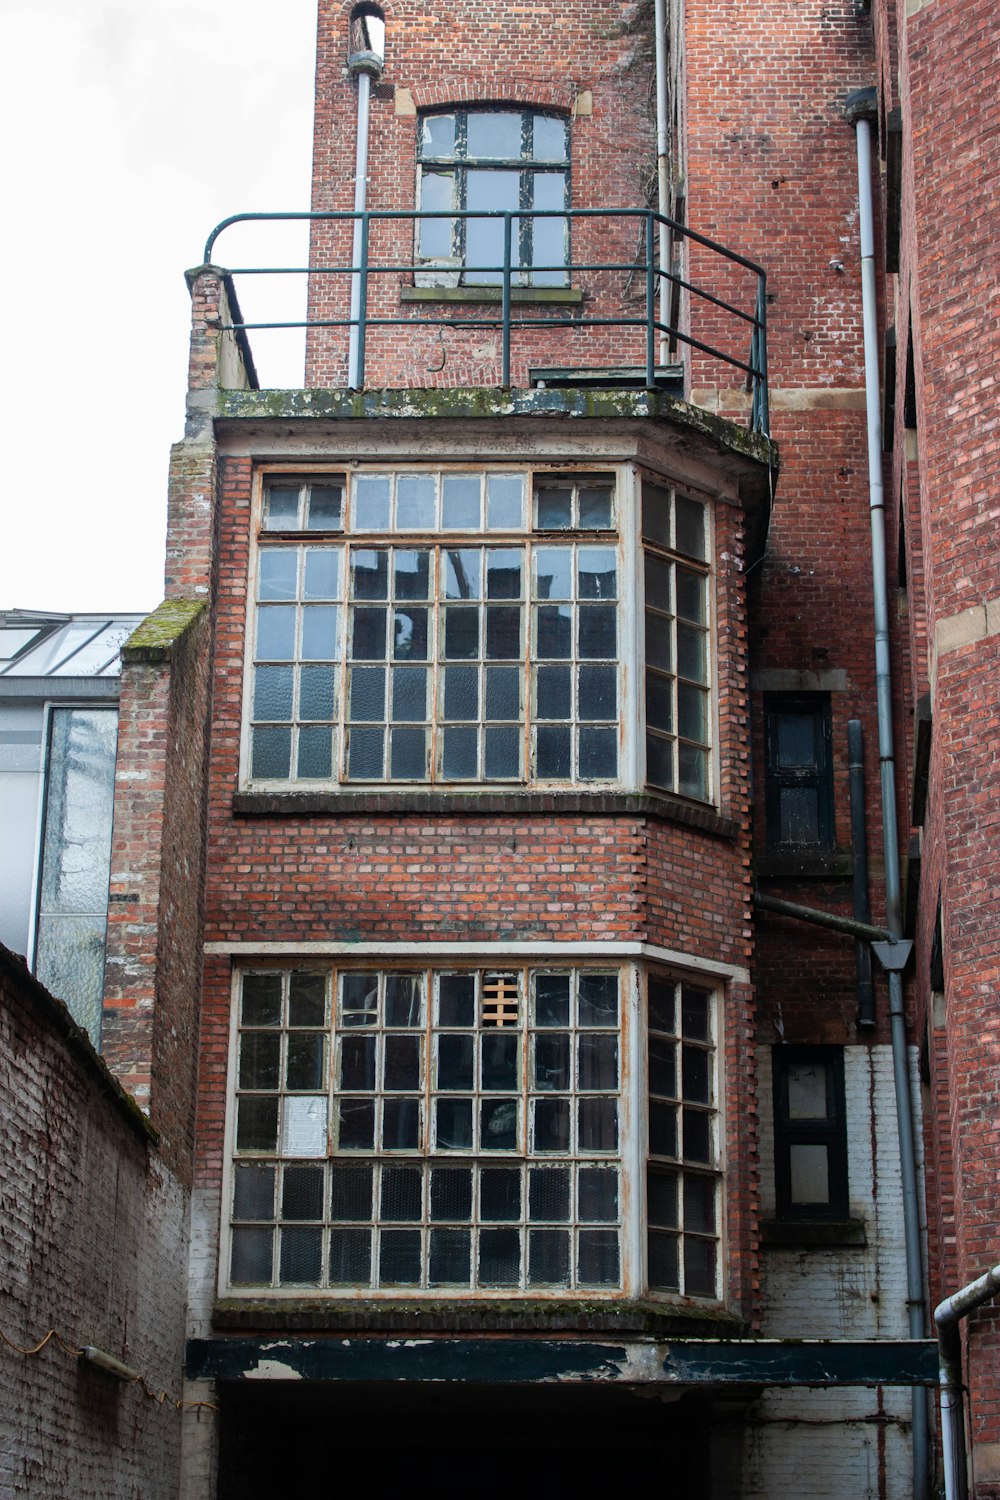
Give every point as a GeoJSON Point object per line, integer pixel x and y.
{"type": "Point", "coordinates": [665, 309]}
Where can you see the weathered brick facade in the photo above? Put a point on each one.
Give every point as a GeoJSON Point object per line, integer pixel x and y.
{"type": "Point", "coordinates": [93, 1245]}
{"type": "Point", "coordinates": [937, 62]}
{"type": "Point", "coordinates": [215, 874]}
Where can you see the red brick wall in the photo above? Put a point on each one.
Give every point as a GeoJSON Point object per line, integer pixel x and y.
{"type": "Point", "coordinates": [582, 53]}
{"type": "Point", "coordinates": [452, 876]}
{"type": "Point", "coordinates": [92, 1245]}
{"type": "Point", "coordinates": [947, 302]}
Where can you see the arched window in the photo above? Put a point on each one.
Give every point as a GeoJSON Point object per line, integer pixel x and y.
{"type": "Point", "coordinates": [514, 159]}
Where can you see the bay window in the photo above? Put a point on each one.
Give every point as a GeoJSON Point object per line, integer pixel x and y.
{"type": "Point", "coordinates": [446, 1130]}
{"type": "Point", "coordinates": [459, 627]}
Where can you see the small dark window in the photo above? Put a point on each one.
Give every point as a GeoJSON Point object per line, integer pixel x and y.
{"type": "Point", "coordinates": [810, 1133]}
{"type": "Point", "coordinates": [799, 780]}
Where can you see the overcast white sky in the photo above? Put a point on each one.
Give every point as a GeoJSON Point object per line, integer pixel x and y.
{"type": "Point", "coordinates": [129, 129]}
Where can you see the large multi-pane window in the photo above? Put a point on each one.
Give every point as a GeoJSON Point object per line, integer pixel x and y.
{"type": "Point", "coordinates": [481, 647]}
{"type": "Point", "coordinates": [465, 1130]}
{"type": "Point", "coordinates": [495, 159]}
{"type": "Point", "coordinates": [459, 627]}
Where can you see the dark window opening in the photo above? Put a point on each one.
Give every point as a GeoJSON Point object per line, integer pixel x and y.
{"type": "Point", "coordinates": [513, 159]}
{"type": "Point", "coordinates": [889, 393]}
{"type": "Point", "coordinates": [810, 1133]}
{"type": "Point", "coordinates": [799, 772]}
{"type": "Point", "coordinates": [910, 395]}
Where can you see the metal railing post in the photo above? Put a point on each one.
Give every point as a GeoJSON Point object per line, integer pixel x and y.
{"type": "Point", "coordinates": [760, 359]}
{"type": "Point", "coordinates": [505, 305]}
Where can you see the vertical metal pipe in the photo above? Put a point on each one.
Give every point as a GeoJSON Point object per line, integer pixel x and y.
{"type": "Point", "coordinates": [859, 849]}
{"type": "Point", "coordinates": [947, 1316]}
{"type": "Point", "coordinates": [859, 110]}
{"type": "Point", "coordinates": [360, 203]}
{"type": "Point", "coordinates": [662, 165]}
{"type": "Point", "coordinates": [650, 304]}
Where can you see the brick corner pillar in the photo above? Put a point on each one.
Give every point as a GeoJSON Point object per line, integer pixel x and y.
{"type": "Point", "coordinates": [153, 966]}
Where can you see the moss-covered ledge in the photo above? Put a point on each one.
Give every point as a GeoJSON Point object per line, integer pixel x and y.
{"type": "Point", "coordinates": [451, 1315]}
{"type": "Point", "coordinates": [457, 403]}
{"type": "Point", "coordinates": [160, 633]}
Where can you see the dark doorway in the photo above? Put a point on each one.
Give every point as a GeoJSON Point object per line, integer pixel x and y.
{"type": "Point", "coordinates": [313, 1439]}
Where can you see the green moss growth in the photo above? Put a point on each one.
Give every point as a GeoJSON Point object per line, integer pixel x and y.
{"type": "Point", "coordinates": [160, 633]}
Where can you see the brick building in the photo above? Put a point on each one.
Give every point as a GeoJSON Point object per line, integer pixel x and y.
{"type": "Point", "coordinates": [492, 782]}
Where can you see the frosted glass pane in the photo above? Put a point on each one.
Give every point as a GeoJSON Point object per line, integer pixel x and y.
{"type": "Point", "coordinates": [371, 502]}
{"type": "Point", "coordinates": [461, 501]}
{"type": "Point", "coordinates": [70, 963]}
{"type": "Point", "coordinates": [810, 1173]}
{"type": "Point", "coordinates": [549, 138]}
{"type": "Point", "coordinates": [807, 1091]}
{"type": "Point", "coordinates": [437, 135]}
{"type": "Point", "coordinates": [504, 498]}
{"type": "Point", "coordinates": [494, 135]}
{"type": "Point", "coordinates": [415, 502]}
{"type": "Point", "coordinates": [77, 852]}
{"type": "Point", "coordinates": [278, 569]}
{"type": "Point", "coordinates": [322, 573]}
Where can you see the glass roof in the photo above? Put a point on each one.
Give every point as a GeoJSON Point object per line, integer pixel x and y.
{"type": "Point", "coordinates": [37, 645]}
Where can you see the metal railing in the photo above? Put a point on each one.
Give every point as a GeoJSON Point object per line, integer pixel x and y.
{"type": "Point", "coordinates": [511, 277]}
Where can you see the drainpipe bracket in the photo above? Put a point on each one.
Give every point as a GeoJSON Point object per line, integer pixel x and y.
{"type": "Point", "coordinates": [894, 956]}
{"type": "Point", "coordinates": [862, 104]}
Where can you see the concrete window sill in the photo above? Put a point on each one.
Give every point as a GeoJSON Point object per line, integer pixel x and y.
{"type": "Point", "coordinates": [817, 1234]}
{"type": "Point", "coordinates": [269, 804]}
{"type": "Point", "coordinates": [553, 296]}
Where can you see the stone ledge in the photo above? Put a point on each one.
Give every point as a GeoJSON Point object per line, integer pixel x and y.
{"type": "Point", "coordinates": [557, 296]}
{"type": "Point", "coordinates": [450, 1315]}
{"type": "Point", "coordinates": [484, 804]}
{"type": "Point", "coordinates": [831, 865]}
{"type": "Point", "coordinates": [814, 1234]}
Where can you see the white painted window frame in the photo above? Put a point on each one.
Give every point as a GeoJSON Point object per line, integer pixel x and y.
{"type": "Point", "coordinates": [633, 1142]}
{"type": "Point", "coordinates": [625, 537]}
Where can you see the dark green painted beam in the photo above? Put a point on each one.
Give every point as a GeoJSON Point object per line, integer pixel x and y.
{"type": "Point", "coordinates": [791, 1362]}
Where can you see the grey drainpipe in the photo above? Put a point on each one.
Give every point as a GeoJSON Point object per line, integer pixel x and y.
{"type": "Point", "coordinates": [662, 185]}
{"type": "Point", "coordinates": [860, 110]}
{"type": "Point", "coordinates": [364, 66]}
{"type": "Point", "coordinates": [947, 1316]}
